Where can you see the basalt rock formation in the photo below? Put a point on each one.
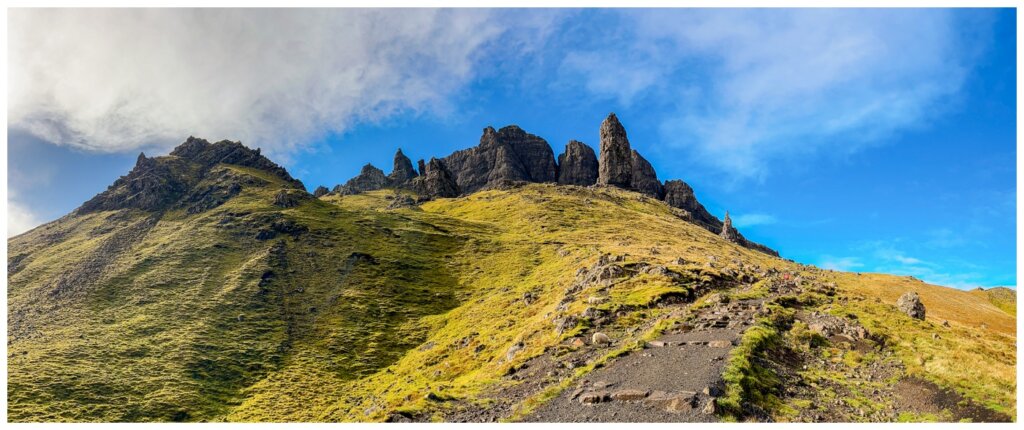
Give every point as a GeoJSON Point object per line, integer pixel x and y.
{"type": "Point", "coordinates": [644, 180]}
{"type": "Point", "coordinates": [370, 178]}
{"type": "Point", "coordinates": [577, 165]}
{"type": "Point", "coordinates": [403, 170]}
{"type": "Point", "coordinates": [436, 181]}
{"type": "Point", "coordinates": [506, 155]}
{"type": "Point", "coordinates": [160, 183]}
{"type": "Point", "coordinates": [511, 155]}
{"type": "Point", "coordinates": [616, 168]}
{"type": "Point", "coordinates": [679, 194]}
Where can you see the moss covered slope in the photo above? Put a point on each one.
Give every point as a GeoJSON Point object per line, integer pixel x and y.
{"type": "Point", "coordinates": [345, 308]}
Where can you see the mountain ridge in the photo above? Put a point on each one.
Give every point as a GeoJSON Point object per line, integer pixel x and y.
{"type": "Point", "coordinates": [197, 289]}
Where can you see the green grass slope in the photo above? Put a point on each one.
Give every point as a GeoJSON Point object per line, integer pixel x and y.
{"type": "Point", "coordinates": [357, 310]}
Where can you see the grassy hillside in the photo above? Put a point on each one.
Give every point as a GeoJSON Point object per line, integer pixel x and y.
{"type": "Point", "coordinates": [358, 309]}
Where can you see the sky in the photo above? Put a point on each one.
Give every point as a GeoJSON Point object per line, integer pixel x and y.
{"type": "Point", "coordinates": [869, 140]}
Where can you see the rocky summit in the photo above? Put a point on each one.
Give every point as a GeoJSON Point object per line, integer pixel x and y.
{"type": "Point", "coordinates": [510, 156]}
{"type": "Point", "coordinates": [494, 284]}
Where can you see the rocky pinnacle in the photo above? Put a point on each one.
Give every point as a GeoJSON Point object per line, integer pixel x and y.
{"type": "Point", "coordinates": [616, 168]}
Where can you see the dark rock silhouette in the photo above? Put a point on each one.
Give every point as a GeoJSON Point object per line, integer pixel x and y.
{"type": "Point", "coordinates": [577, 165]}
{"type": "Point", "coordinates": [320, 191]}
{"type": "Point", "coordinates": [616, 166]}
{"type": "Point", "coordinates": [506, 155]}
{"type": "Point", "coordinates": [370, 178]}
{"type": "Point", "coordinates": [643, 179]}
{"type": "Point", "coordinates": [679, 194]}
{"type": "Point", "coordinates": [403, 170]}
{"type": "Point", "coordinates": [436, 181]}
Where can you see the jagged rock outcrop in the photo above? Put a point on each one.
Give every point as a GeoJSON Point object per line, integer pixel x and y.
{"type": "Point", "coordinates": [320, 191]}
{"type": "Point", "coordinates": [370, 178]}
{"type": "Point", "coordinates": [679, 194]}
{"type": "Point", "coordinates": [402, 171]}
{"type": "Point", "coordinates": [910, 304]}
{"type": "Point", "coordinates": [507, 155]}
{"type": "Point", "coordinates": [577, 165]}
{"type": "Point", "coordinates": [616, 166]}
{"type": "Point", "coordinates": [227, 152]}
{"type": "Point", "coordinates": [728, 231]}
{"type": "Point", "coordinates": [436, 181]}
{"type": "Point", "coordinates": [510, 156]}
{"type": "Point", "coordinates": [151, 185]}
{"type": "Point", "coordinates": [643, 179]}
{"type": "Point", "coordinates": [160, 183]}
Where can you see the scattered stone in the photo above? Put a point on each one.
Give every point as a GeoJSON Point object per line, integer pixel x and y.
{"type": "Point", "coordinates": [710, 408]}
{"type": "Point", "coordinates": [577, 342]}
{"type": "Point", "coordinates": [592, 398]}
{"type": "Point", "coordinates": [600, 385]}
{"type": "Point", "coordinates": [629, 395]}
{"type": "Point", "coordinates": [672, 402]}
{"type": "Point", "coordinates": [720, 344]}
{"type": "Point", "coordinates": [288, 198]}
{"type": "Point", "coordinates": [910, 304]}
{"type": "Point", "coordinates": [656, 344]}
{"type": "Point", "coordinates": [600, 338]}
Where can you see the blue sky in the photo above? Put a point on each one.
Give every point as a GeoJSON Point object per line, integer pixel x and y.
{"type": "Point", "coordinates": [863, 140]}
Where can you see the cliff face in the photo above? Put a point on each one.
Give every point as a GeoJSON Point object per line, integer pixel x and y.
{"type": "Point", "coordinates": [506, 155]}
{"type": "Point", "coordinates": [577, 165]}
{"type": "Point", "coordinates": [511, 155]}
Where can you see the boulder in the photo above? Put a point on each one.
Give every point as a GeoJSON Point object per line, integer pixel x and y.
{"type": "Point", "coordinates": [629, 395]}
{"type": "Point", "coordinates": [600, 339]}
{"type": "Point", "coordinates": [615, 165]}
{"type": "Point", "coordinates": [577, 165]}
{"type": "Point", "coordinates": [910, 304]}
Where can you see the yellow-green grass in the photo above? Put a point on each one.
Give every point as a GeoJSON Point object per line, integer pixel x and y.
{"type": "Point", "coordinates": [179, 327]}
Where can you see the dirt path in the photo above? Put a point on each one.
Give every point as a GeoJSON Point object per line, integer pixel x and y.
{"type": "Point", "coordinates": [672, 380]}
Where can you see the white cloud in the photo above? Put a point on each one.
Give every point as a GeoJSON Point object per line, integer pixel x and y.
{"type": "Point", "coordinates": [753, 87]}
{"type": "Point", "coordinates": [749, 220]}
{"type": "Point", "coordinates": [116, 80]}
{"type": "Point", "coordinates": [839, 263]}
{"type": "Point", "coordinates": [19, 217]}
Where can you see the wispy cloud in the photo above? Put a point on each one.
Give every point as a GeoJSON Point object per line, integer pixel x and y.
{"type": "Point", "coordinates": [753, 87]}
{"type": "Point", "coordinates": [839, 263]}
{"type": "Point", "coordinates": [115, 80]}
{"type": "Point", "coordinates": [749, 220]}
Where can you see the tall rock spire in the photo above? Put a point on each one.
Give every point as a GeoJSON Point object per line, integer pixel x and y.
{"type": "Point", "coordinates": [403, 170]}
{"type": "Point", "coordinates": [728, 232]}
{"type": "Point", "coordinates": [616, 166]}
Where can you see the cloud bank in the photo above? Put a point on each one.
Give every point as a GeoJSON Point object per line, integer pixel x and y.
{"type": "Point", "coordinates": [118, 80]}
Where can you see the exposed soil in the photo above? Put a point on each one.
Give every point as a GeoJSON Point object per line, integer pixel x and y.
{"type": "Point", "coordinates": [925, 397]}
